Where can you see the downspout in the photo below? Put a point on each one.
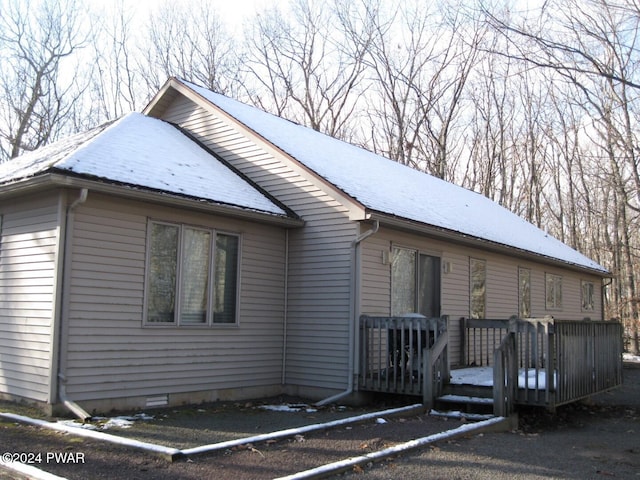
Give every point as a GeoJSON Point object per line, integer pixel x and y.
{"type": "Point", "coordinates": [64, 309]}
{"type": "Point", "coordinates": [355, 311]}
{"type": "Point", "coordinates": [286, 307]}
{"type": "Point", "coordinates": [603, 287]}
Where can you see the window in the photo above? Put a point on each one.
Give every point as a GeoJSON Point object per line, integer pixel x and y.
{"type": "Point", "coordinates": [587, 296]}
{"type": "Point", "coordinates": [184, 285]}
{"type": "Point", "coordinates": [415, 283]}
{"type": "Point", "coordinates": [553, 287]}
{"type": "Point", "coordinates": [478, 283]}
{"type": "Point", "coordinates": [524, 293]}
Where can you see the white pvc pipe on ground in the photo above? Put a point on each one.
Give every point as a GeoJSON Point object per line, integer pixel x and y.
{"type": "Point", "coordinates": [299, 430]}
{"type": "Point", "coordinates": [31, 472]}
{"type": "Point", "coordinates": [169, 452]}
{"type": "Point", "coordinates": [342, 465]}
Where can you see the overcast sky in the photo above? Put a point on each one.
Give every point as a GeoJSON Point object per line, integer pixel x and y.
{"type": "Point", "coordinates": [232, 11]}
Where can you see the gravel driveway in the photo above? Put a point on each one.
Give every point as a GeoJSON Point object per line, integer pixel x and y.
{"type": "Point", "coordinates": [580, 441]}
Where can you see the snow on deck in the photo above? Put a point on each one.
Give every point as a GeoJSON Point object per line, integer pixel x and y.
{"type": "Point", "coordinates": [483, 377]}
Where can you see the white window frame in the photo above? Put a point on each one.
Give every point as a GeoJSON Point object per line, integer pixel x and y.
{"type": "Point", "coordinates": [210, 314]}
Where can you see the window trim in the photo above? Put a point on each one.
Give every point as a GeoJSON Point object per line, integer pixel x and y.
{"type": "Point", "coordinates": [416, 300]}
{"type": "Point", "coordinates": [210, 323]}
{"type": "Point", "coordinates": [520, 296]}
{"type": "Point", "coordinates": [558, 299]}
{"type": "Point", "coordinates": [592, 307]}
{"type": "Point", "coordinates": [484, 307]}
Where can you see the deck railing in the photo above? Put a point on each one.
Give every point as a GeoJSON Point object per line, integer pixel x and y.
{"type": "Point", "coordinates": [543, 362]}
{"type": "Point", "coordinates": [589, 358]}
{"type": "Point", "coordinates": [397, 354]}
{"type": "Point", "coordinates": [556, 361]}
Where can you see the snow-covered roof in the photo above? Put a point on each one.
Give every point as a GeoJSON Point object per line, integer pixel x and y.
{"type": "Point", "coordinates": [387, 187]}
{"type": "Point", "coordinates": [145, 152]}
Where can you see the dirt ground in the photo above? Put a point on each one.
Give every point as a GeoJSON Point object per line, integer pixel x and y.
{"type": "Point", "coordinates": [207, 424]}
{"type": "Point", "coordinates": [600, 440]}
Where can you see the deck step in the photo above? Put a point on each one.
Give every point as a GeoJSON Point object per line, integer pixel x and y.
{"type": "Point", "coordinates": [466, 399]}
{"type": "Point", "coordinates": [466, 402]}
{"type": "Point", "coordinates": [474, 417]}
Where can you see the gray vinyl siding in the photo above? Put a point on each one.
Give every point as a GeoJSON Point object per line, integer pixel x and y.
{"type": "Point", "coordinates": [28, 261]}
{"type": "Point", "coordinates": [320, 254]}
{"type": "Point", "coordinates": [502, 283]}
{"type": "Point", "coordinates": [110, 353]}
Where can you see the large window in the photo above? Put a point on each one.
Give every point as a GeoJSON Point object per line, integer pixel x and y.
{"type": "Point", "coordinates": [415, 283]}
{"type": "Point", "coordinates": [478, 283]}
{"type": "Point", "coordinates": [553, 287]}
{"type": "Point", "coordinates": [524, 293]}
{"type": "Point", "coordinates": [184, 285]}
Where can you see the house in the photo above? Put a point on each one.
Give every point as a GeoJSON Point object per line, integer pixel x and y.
{"type": "Point", "coordinates": [206, 250]}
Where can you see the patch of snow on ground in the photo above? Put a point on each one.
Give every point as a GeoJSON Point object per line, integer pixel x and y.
{"type": "Point", "coordinates": [628, 357]}
{"type": "Point", "coordinates": [105, 423]}
{"type": "Point", "coordinates": [76, 424]}
{"type": "Point", "coordinates": [289, 408]}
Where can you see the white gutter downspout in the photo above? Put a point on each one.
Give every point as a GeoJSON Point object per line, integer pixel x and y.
{"type": "Point", "coordinates": [355, 311]}
{"type": "Point", "coordinates": [66, 266]}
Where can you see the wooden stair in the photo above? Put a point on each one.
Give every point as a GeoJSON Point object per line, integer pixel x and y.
{"type": "Point", "coordinates": [469, 401]}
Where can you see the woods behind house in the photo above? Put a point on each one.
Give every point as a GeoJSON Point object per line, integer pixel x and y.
{"type": "Point", "coordinates": [535, 107]}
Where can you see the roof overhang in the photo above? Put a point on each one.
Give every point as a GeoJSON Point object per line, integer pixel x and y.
{"type": "Point", "coordinates": [60, 180]}
{"type": "Point", "coordinates": [458, 238]}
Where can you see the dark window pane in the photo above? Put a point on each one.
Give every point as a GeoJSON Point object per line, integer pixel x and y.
{"type": "Point", "coordinates": [226, 279]}
{"type": "Point", "coordinates": [163, 257]}
{"type": "Point", "coordinates": [429, 286]}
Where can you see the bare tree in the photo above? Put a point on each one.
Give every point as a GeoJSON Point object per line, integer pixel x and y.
{"type": "Point", "coordinates": [114, 89]}
{"type": "Point", "coordinates": [421, 60]}
{"type": "Point", "coordinates": [570, 51]}
{"type": "Point", "coordinates": [191, 41]}
{"type": "Point", "coordinates": [37, 85]}
{"type": "Point", "coordinates": [592, 47]}
{"type": "Point", "coordinates": [490, 133]}
{"type": "Point", "coordinates": [306, 65]}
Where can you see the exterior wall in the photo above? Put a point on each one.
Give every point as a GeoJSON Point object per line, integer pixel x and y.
{"type": "Point", "coordinates": [501, 283]}
{"type": "Point", "coordinates": [29, 235]}
{"type": "Point", "coordinates": [320, 254]}
{"type": "Point", "coordinates": [110, 355]}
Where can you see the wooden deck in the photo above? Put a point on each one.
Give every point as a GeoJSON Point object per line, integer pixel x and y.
{"type": "Point", "coordinates": [542, 362]}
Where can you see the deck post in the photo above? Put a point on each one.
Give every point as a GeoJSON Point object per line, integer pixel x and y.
{"type": "Point", "coordinates": [427, 381]}
{"type": "Point", "coordinates": [505, 375]}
